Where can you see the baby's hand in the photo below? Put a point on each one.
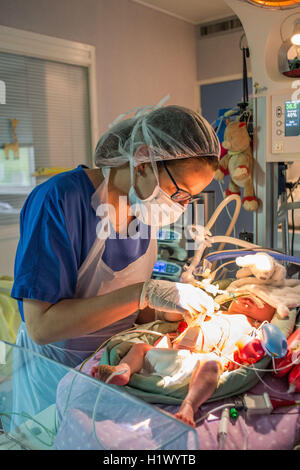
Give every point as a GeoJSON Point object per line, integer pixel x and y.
{"type": "Point", "coordinates": [229, 365]}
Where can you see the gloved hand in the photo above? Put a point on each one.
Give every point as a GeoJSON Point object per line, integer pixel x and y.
{"type": "Point", "coordinates": [176, 298]}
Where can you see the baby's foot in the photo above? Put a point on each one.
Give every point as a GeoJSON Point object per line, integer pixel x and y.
{"type": "Point", "coordinates": [103, 372]}
{"type": "Point", "coordinates": [186, 414]}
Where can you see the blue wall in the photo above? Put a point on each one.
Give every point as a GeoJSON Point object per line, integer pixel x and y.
{"type": "Point", "coordinates": [213, 98]}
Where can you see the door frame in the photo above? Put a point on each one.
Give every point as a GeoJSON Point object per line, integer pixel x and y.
{"type": "Point", "coordinates": [213, 80]}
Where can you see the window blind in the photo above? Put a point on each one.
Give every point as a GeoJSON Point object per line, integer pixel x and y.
{"type": "Point", "coordinates": [46, 114]}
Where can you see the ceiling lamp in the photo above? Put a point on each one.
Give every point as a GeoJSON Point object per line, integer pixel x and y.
{"type": "Point", "coordinates": [296, 34]}
{"type": "Point", "coordinates": [289, 52]}
{"type": "Point", "coordinates": [275, 4]}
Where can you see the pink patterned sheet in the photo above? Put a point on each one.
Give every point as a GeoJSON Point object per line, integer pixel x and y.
{"type": "Point", "coordinates": [278, 431]}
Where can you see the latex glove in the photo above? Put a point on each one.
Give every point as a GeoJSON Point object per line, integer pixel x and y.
{"type": "Point", "coordinates": [176, 298]}
{"type": "Point", "coordinates": [282, 298]}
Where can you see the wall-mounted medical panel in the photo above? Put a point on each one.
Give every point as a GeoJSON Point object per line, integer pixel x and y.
{"type": "Point", "coordinates": [283, 125]}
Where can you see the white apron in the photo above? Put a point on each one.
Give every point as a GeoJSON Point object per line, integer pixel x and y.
{"type": "Point", "coordinates": [95, 277]}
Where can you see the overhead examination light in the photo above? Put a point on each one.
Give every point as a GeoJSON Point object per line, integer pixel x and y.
{"type": "Point", "coordinates": [275, 4]}
{"type": "Point", "coordinates": [296, 34]}
{"type": "Point", "coordinates": [289, 52]}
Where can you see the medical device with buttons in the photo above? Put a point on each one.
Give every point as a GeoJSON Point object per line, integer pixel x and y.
{"type": "Point", "coordinates": [171, 256]}
{"type": "Point", "coordinates": [285, 126]}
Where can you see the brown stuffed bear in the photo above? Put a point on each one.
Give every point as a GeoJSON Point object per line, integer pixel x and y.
{"type": "Point", "coordinates": [238, 162]}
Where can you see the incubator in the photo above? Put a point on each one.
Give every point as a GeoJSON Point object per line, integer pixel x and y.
{"type": "Point", "coordinates": [87, 414]}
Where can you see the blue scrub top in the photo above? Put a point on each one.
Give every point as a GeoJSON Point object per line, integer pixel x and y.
{"type": "Point", "coordinates": [57, 230]}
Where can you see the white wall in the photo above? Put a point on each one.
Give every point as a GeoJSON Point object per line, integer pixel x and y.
{"type": "Point", "coordinates": [220, 56]}
{"type": "Point", "coordinates": [141, 56]}
{"type": "Point", "coordinates": [8, 249]}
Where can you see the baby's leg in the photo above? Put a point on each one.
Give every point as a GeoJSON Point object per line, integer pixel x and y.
{"type": "Point", "coordinates": [132, 362]}
{"type": "Point", "coordinates": [203, 383]}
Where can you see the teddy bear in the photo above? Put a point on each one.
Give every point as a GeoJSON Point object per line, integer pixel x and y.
{"type": "Point", "coordinates": [238, 162]}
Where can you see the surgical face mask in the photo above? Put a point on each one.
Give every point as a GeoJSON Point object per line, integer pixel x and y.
{"type": "Point", "coordinates": [157, 210]}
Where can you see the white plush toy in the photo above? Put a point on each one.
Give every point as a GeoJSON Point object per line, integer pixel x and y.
{"type": "Point", "coordinates": [261, 275]}
{"type": "Point", "coordinates": [262, 266]}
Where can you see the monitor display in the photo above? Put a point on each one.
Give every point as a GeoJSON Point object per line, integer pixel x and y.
{"type": "Point", "coordinates": [292, 118]}
{"type": "Point", "coordinates": [160, 267]}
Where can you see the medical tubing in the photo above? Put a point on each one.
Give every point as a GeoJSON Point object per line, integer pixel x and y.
{"type": "Point", "coordinates": [198, 254]}
{"type": "Point", "coordinates": [224, 203]}
{"type": "Point", "coordinates": [213, 219]}
{"type": "Point", "coordinates": [246, 434]}
{"type": "Point", "coordinates": [133, 330]}
{"type": "Point", "coordinates": [256, 369]}
{"type": "Point", "coordinates": [227, 210]}
{"type": "Point", "coordinates": [231, 254]}
{"type": "Point", "coordinates": [223, 428]}
{"type": "Point", "coordinates": [87, 359]}
{"type": "Point", "coordinates": [15, 441]}
{"type": "Point", "coordinates": [93, 418]}
{"type": "Point", "coordinates": [268, 386]}
{"type": "Point", "coordinates": [220, 407]}
{"type": "Point", "coordinates": [50, 433]}
{"type": "Point", "coordinates": [233, 241]}
{"type": "Point", "coordinates": [222, 440]}
{"type": "Point", "coordinates": [103, 344]}
{"type": "Point", "coordinates": [283, 403]}
{"type": "Point", "coordinates": [113, 374]}
{"type": "Point", "coordinates": [222, 266]}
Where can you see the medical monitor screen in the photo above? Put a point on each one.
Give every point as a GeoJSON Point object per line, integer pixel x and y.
{"type": "Point", "coordinates": [160, 267]}
{"type": "Point", "coordinates": [292, 118]}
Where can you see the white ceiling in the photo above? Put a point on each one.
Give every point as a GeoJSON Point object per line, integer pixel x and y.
{"type": "Point", "coordinates": [193, 11]}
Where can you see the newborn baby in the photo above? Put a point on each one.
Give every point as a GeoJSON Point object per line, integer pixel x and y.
{"type": "Point", "coordinates": [203, 356]}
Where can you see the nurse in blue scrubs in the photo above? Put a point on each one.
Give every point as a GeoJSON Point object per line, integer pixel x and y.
{"type": "Point", "coordinates": [88, 245]}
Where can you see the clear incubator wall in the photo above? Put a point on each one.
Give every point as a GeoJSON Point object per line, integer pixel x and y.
{"type": "Point", "coordinates": [86, 415]}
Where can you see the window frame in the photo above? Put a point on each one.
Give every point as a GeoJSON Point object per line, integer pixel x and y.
{"type": "Point", "coordinates": [30, 44]}
{"type": "Point", "coordinates": [26, 43]}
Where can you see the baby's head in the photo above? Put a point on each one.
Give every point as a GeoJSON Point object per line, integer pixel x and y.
{"type": "Point", "coordinates": [247, 305]}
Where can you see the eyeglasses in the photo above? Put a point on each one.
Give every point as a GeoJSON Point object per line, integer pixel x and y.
{"type": "Point", "coordinates": [180, 195]}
